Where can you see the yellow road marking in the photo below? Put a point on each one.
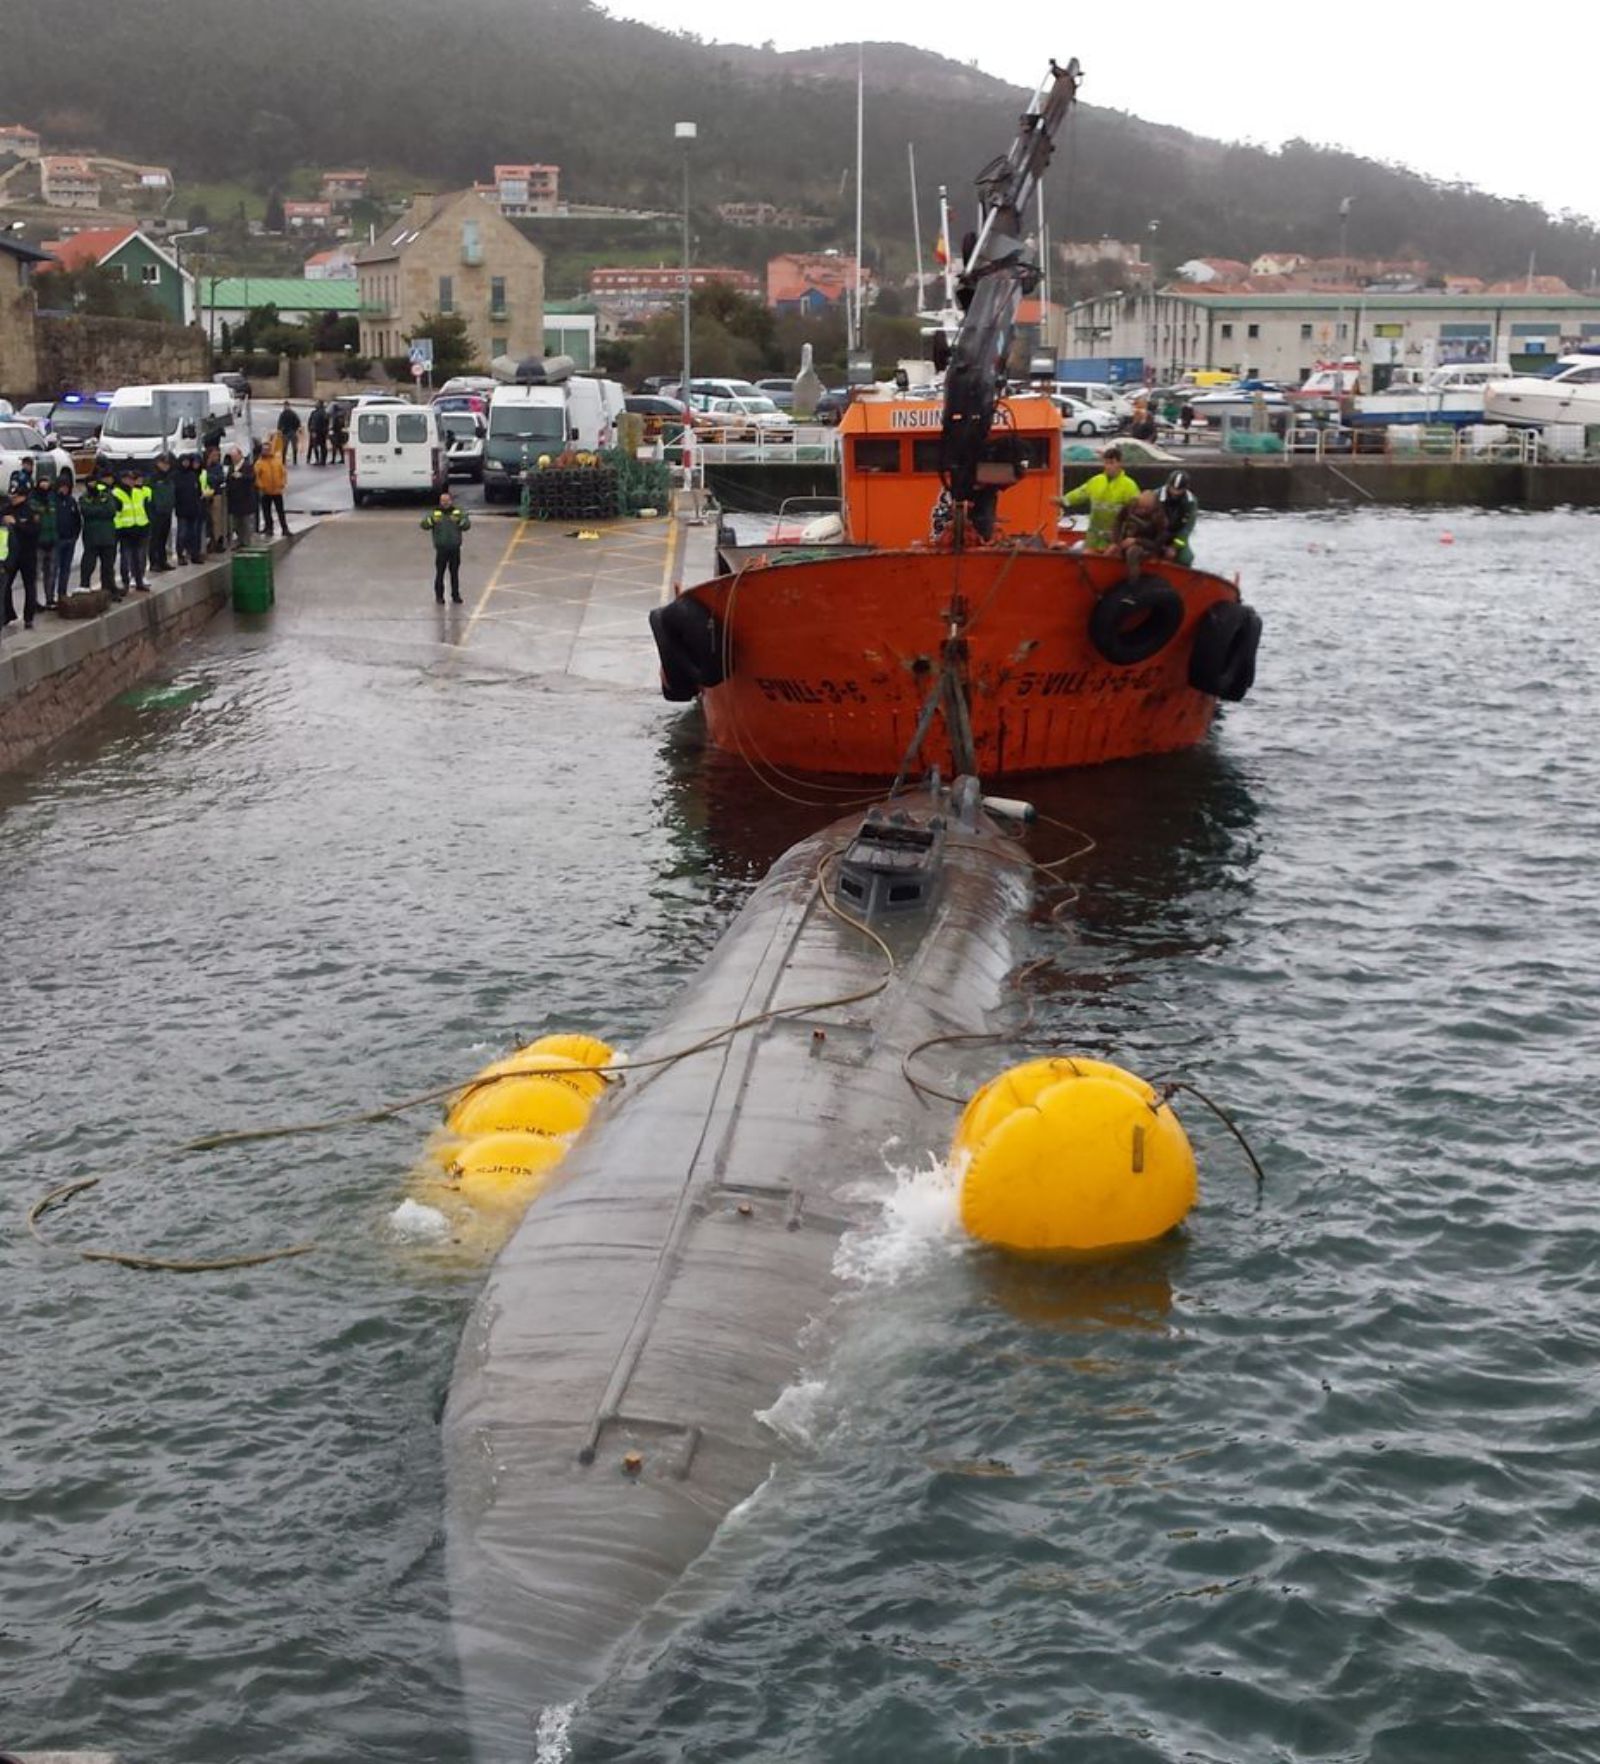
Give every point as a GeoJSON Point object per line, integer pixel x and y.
{"type": "Point", "coordinates": [666, 565]}
{"type": "Point", "coordinates": [494, 580]}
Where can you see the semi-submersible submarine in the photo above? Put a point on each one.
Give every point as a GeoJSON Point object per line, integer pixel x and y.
{"type": "Point", "coordinates": [603, 1418]}
{"type": "Point", "coordinates": [602, 1421]}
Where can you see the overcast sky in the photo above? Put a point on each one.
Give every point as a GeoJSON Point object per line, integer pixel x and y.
{"type": "Point", "coordinates": [1493, 96]}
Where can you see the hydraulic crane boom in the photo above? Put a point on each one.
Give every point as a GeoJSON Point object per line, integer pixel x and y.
{"type": "Point", "coordinates": [1000, 268]}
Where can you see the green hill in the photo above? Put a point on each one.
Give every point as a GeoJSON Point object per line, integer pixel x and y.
{"type": "Point", "coordinates": [249, 93]}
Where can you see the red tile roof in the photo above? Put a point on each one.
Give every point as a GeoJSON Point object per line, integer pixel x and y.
{"type": "Point", "coordinates": [84, 250]}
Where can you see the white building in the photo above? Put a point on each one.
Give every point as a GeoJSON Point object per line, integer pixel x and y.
{"type": "Point", "coordinates": [1283, 336]}
{"type": "Point", "coordinates": [68, 182]}
{"type": "Point", "coordinates": [336, 264]}
{"type": "Point", "coordinates": [19, 139]}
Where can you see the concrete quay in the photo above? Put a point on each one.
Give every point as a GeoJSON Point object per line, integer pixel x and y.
{"type": "Point", "coordinates": [62, 671]}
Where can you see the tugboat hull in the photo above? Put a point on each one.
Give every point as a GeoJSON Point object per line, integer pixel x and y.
{"type": "Point", "coordinates": [825, 664]}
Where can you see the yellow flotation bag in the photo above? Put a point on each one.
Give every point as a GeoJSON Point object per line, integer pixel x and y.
{"type": "Point", "coordinates": [505, 1169]}
{"type": "Point", "coordinates": [1072, 1155]}
{"type": "Point", "coordinates": [520, 1104]}
{"type": "Point", "coordinates": [585, 1049]}
{"type": "Point", "coordinates": [561, 1068]}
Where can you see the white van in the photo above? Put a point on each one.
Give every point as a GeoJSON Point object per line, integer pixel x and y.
{"type": "Point", "coordinates": [395, 450]}
{"type": "Point", "coordinates": [143, 422]}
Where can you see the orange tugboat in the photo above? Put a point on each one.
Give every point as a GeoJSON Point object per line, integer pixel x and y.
{"type": "Point", "coordinates": [942, 617]}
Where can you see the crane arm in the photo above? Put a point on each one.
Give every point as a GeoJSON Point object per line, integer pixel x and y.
{"type": "Point", "coordinates": [1001, 267]}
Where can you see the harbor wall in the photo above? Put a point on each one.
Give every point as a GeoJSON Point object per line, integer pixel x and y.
{"type": "Point", "coordinates": [93, 353]}
{"type": "Point", "coordinates": [1229, 485]}
{"type": "Point", "coordinates": [47, 689]}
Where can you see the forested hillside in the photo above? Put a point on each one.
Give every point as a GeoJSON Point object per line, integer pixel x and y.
{"type": "Point", "coordinates": [445, 90]}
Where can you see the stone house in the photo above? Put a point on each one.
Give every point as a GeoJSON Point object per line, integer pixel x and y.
{"type": "Point", "coordinates": [19, 369]}
{"type": "Point", "coordinates": [453, 254]}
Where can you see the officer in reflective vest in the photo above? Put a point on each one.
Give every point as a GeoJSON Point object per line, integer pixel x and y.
{"type": "Point", "coordinates": [133, 528]}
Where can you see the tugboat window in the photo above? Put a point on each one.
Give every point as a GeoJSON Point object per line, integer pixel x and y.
{"type": "Point", "coordinates": [877, 456]}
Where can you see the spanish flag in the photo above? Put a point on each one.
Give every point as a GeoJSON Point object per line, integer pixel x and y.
{"type": "Point", "coordinates": [941, 251]}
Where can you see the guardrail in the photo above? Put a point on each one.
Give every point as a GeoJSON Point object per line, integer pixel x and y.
{"type": "Point", "coordinates": [1399, 442]}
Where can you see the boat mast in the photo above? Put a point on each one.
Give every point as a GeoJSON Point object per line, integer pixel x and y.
{"type": "Point", "coordinates": [861, 97]}
{"type": "Point", "coordinates": [916, 220]}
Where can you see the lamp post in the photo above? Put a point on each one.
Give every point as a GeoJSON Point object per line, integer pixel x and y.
{"type": "Point", "coordinates": [686, 133]}
{"type": "Point", "coordinates": [1153, 228]}
{"type": "Point", "coordinates": [175, 240]}
{"type": "Point", "coordinates": [1344, 276]}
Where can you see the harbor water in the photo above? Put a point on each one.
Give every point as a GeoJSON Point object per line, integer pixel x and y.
{"type": "Point", "coordinates": [1314, 1480]}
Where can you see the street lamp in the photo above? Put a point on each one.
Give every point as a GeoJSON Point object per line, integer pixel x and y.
{"type": "Point", "coordinates": [1153, 228]}
{"type": "Point", "coordinates": [175, 240]}
{"type": "Point", "coordinates": [686, 133]}
{"type": "Point", "coordinates": [1344, 276]}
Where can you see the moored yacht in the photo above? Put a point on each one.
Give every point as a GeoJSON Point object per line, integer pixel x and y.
{"type": "Point", "coordinates": [1570, 395]}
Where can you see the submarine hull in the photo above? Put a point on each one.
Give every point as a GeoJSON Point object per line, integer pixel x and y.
{"type": "Point", "coordinates": [602, 1418]}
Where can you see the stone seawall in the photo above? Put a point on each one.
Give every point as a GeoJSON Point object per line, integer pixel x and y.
{"type": "Point", "coordinates": [49, 687]}
{"type": "Point", "coordinates": [93, 353]}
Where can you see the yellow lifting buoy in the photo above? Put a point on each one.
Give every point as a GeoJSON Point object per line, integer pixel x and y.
{"type": "Point", "coordinates": [587, 1050]}
{"type": "Point", "coordinates": [505, 1169]}
{"type": "Point", "coordinates": [520, 1104]}
{"type": "Point", "coordinates": [559, 1067]}
{"type": "Point", "coordinates": [1071, 1154]}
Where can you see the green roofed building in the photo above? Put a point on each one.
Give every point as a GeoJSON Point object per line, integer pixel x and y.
{"type": "Point", "coordinates": [226, 300]}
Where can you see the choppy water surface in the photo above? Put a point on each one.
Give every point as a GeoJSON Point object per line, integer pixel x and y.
{"type": "Point", "coordinates": [1314, 1482]}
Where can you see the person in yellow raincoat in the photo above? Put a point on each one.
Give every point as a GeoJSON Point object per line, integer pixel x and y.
{"type": "Point", "coordinates": [1106, 493]}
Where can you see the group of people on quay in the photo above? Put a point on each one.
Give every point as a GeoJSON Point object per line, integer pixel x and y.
{"type": "Point", "coordinates": [129, 524]}
{"type": "Point", "coordinates": [327, 433]}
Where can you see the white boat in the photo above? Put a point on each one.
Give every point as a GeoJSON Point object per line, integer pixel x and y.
{"type": "Point", "coordinates": [1452, 395]}
{"type": "Point", "coordinates": [1329, 382]}
{"type": "Point", "coordinates": [1570, 395]}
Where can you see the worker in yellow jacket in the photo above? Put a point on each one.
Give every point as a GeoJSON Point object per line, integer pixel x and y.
{"type": "Point", "coordinates": [132, 497]}
{"type": "Point", "coordinates": [272, 479]}
{"type": "Point", "coordinates": [1110, 490]}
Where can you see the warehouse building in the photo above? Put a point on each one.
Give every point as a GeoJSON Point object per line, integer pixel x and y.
{"type": "Point", "coordinates": [1284, 336]}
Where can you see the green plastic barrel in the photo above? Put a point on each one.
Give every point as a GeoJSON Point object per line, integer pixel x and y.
{"type": "Point", "coordinates": [252, 581]}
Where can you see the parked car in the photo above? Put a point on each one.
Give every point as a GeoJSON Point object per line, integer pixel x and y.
{"type": "Point", "coordinates": [833, 404]}
{"type": "Point", "coordinates": [1078, 418]}
{"type": "Point", "coordinates": [238, 389]}
{"type": "Point", "coordinates": [664, 418]}
{"type": "Point", "coordinates": [76, 420]}
{"type": "Point", "coordinates": [743, 419]}
{"type": "Point", "coordinates": [781, 392]}
{"type": "Point", "coordinates": [464, 434]}
{"type": "Point", "coordinates": [20, 441]}
{"type": "Point", "coordinates": [37, 413]}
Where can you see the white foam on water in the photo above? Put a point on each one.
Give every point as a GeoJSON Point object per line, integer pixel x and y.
{"type": "Point", "coordinates": [918, 1226]}
{"type": "Point", "coordinates": [550, 1742]}
{"type": "Point", "coordinates": [419, 1224]}
{"type": "Point", "coordinates": [794, 1415]}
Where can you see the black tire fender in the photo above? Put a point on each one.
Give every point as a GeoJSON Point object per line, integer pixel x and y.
{"type": "Point", "coordinates": [689, 642]}
{"type": "Point", "coordinates": [1223, 660]}
{"type": "Point", "coordinates": [1135, 620]}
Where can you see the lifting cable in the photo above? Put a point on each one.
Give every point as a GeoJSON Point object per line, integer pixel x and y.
{"type": "Point", "coordinates": [614, 1073]}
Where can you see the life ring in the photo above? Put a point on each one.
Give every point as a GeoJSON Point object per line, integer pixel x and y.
{"type": "Point", "coordinates": [1223, 660]}
{"type": "Point", "coordinates": [689, 643]}
{"type": "Point", "coordinates": [1134, 620]}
